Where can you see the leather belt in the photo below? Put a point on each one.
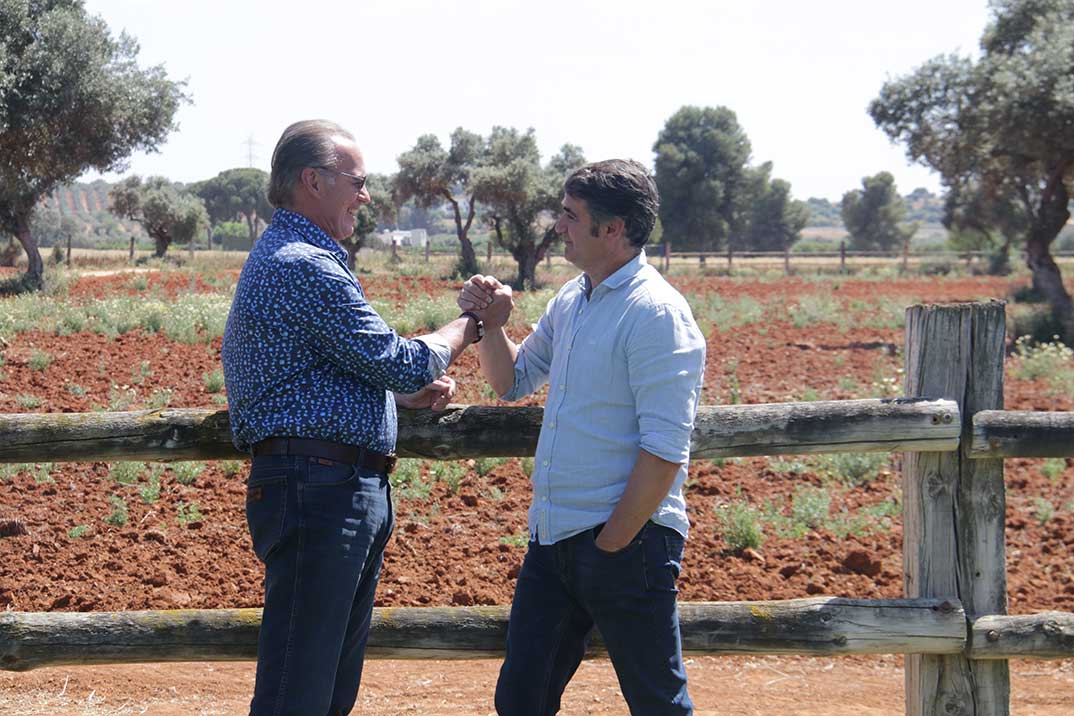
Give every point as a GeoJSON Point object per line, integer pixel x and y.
{"type": "Point", "coordinates": [337, 452]}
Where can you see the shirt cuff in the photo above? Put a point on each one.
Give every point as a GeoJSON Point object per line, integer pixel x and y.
{"type": "Point", "coordinates": [439, 354]}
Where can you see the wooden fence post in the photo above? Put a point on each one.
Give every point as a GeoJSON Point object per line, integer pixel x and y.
{"type": "Point", "coordinates": [953, 506]}
{"type": "Point", "coordinates": [428, 244]}
{"type": "Point", "coordinates": [842, 257]}
{"type": "Point", "coordinates": [667, 256]}
{"type": "Point", "coordinates": [488, 258]}
{"type": "Point", "coordinates": [787, 260]}
{"type": "Point", "coordinates": [730, 256]}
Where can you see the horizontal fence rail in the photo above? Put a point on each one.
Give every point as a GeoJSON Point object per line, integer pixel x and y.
{"type": "Point", "coordinates": [822, 626]}
{"type": "Point", "coordinates": [1015, 433]}
{"type": "Point", "coordinates": [465, 431]}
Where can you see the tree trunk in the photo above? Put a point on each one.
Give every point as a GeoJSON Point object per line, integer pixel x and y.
{"type": "Point", "coordinates": [251, 223]}
{"type": "Point", "coordinates": [35, 267]}
{"type": "Point", "coordinates": [160, 246]}
{"type": "Point", "coordinates": [526, 256]}
{"type": "Point", "coordinates": [1048, 281]}
{"type": "Point", "coordinates": [467, 256]}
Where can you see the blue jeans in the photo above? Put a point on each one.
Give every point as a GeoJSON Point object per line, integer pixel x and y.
{"type": "Point", "coordinates": [320, 527]}
{"type": "Point", "coordinates": [566, 588]}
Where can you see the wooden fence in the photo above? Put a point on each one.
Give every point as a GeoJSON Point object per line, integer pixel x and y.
{"type": "Point", "coordinates": [951, 624]}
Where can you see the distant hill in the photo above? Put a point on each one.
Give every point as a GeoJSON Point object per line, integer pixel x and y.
{"type": "Point", "coordinates": [921, 205]}
{"type": "Point", "coordinates": [85, 203]}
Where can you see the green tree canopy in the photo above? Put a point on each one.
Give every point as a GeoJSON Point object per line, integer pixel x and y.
{"type": "Point", "coordinates": [166, 213]}
{"type": "Point", "coordinates": [873, 215]}
{"type": "Point", "coordinates": [380, 210]}
{"type": "Point", "coordinates": [72, 98]}
{"type": "Point", "coordinates": [701, 158]}
{"type": "Point", "coordinates": [236, 192]}
{"type": "Point", "coordinates": [1000, 126]}
{"type": "Point", "coordinates": [431, 176]}
{"type": "Point", "coordinates": [771, 219]}
{"type": "Point", "coordinates": [521, 196]}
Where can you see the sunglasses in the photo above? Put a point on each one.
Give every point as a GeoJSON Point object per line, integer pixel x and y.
{"type": "Point", "coordinates": [357, 179]}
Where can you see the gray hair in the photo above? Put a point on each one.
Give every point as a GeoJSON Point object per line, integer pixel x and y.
{"type": "Point", "coordinates": [309, 143]}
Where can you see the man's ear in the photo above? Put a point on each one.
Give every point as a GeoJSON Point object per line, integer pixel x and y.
{"type": "Point", "coordinates": [615, 228]}
{"type": "Point", "coordinates": [312, 180]}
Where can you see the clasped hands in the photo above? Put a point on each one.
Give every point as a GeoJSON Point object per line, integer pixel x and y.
{"type": "Point", "coordinates": [488, 298]}
{"type": "Point", "coordinates": [485, 296]}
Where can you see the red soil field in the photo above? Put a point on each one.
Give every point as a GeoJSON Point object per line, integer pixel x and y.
{"type": "Point", "coordinates": [463, 546]}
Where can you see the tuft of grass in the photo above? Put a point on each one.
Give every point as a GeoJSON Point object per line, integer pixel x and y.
{"type": "Point", "coordinates": [150, 491]}
{"type": "Point", "coordinates": [811, 309]}
{"type": "Point", "coordinates": [810, 506]}
{"type": "Point", "coordinates": [484, 465]}
{"type": "Point", "coordinates": [187, 472]}
{"type": "Point", "coordinates": [187, 513]}
{"type": "Point", "coordinates": [1052, 361]}
{"type": "Point", "coordinates": [853, 469]}
{"type": "Point", "coordinates": [231, 468]}
{"type": "Point", "coordinates": [126, 473]}
{"type": "Point", "coordinates": [740, 525]}
{"type": "Point", "coordinates": [76, 389]}
{"type": "Point", "coordinates": [407, 482]}
{"type": "Point", "coordinates": [119, 515]}
{"type": "Point", "coordinates": [78, 531]}
{"type": "Point", "coordinates": [30, 402]}
{"type": "Point", "coordinates": [39, 360]}
{"type": "Point", "coordinates": [518, 540]}
{"type": "Point", "coordinates": [42, 472]}
{"type": "Point", "coordinates": [1043, 510]}
{"type": "Point", "coordinates": [1053, 468]}
{"type": "Point", "coordinates": [214, 381]}
{"type": "Point", "coordinates": [141, 372]}
{"type": "Point", "coordinates": [451, 473]}
{"type": "Point", "coordinates": [160, 399]}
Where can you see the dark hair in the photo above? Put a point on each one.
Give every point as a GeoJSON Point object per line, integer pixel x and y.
{"type": "Point", "coordinates": [618, 188]}
{"type": "Point", "coordinates": [309, 143]}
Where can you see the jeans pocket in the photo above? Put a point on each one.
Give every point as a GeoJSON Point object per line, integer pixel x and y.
{"type": "Point", "coordinates": [266, 507]}
{"type": "Point", "coordinates": [663, 559]}
{"type": "Point", "coordinates": [319, 473]}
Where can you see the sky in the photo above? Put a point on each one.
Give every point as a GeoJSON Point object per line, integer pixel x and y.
{"type": "Point", "coordinates": [603, 75]}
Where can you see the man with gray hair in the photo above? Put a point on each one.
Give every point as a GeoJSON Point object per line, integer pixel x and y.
{"type": "Point", "coordinates": [313, 377]}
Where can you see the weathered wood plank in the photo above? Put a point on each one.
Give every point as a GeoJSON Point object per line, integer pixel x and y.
{"type": "Point", "coordinates": [464, 431]}
{"type": "Point", "coordinates": [818, 626]}
{"type": "Point", "coordinates": [1022, 433]}
{"type": "Point", "coordinates": [1048, 635]}
{"type": "Point", "coordinates": [953, 507]}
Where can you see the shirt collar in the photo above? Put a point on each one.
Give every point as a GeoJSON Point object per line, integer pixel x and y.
{"type": "Point", "coordinates": [625, 272]}
{"type": "Point", "coordinates": [307, 229]}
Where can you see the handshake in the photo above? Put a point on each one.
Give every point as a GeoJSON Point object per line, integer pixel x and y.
{"type": "Point", "coordinates": [488, 298]}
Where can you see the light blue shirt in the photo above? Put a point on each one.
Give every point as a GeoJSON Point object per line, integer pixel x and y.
{"type": "Point", "coordinates": [625, 368]}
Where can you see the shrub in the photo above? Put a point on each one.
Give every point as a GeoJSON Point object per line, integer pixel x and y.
{"type": "Point", "coordinates": [188, 513]}
{"type": "Point", "coordinates": [451, 473]}
{"type": "Point", "coordinates": [740, 525]}
{"type": "Point", "coordinates": [187, 472]}
{"type": "Point", "coordinates": [30, 402]}
{"type": "Point", "coordinates": [119, 514]}
{"type": "Point", "coordinates": [214, 381]}
{"type": "Point", "coordinates": [1052, 361]}
{"type": "Point", "coordinates": [78, 531]}
{"type": "Point", "coordinates": [39, 360]}
{"type": "Point", "coordinates": [854, 469]}
{"type": "Point", "coordinates": [485, 465]}
{"type": "Point", "coordinates": [810, 506]}
{"type": "Point", "coordinates": [1043, 510]}
{"type": "Point", "coordinates": [1053, 468]}
{"type": "Point", "coordinates": [126, 473]}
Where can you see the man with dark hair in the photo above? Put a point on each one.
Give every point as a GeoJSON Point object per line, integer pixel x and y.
{"type": "Point", "coordinates": [313, 379]}
{"type": "Point", "coordinates": [624, 361]}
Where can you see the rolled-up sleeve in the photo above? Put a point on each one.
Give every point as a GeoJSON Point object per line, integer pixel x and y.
{"type": "Point", "coordinates": [534, 359]}
{"type": "Point", "coordinates": [666, 367]}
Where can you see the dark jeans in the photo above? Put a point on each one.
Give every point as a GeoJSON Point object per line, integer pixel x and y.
{"type": "Point", "coordinates": [566, 588]}
{"type": "Point", "coordinates": [320, 528]}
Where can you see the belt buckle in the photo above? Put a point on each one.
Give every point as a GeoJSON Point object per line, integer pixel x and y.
{"type": "Point", "coordinates": [389, 463]}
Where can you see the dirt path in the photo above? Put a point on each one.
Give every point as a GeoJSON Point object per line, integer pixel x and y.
{"type": "Point", "coordinates": [728, 686]}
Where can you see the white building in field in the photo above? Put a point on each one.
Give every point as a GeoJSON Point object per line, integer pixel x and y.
{"type": "Point", "coordinates": [413, 237]}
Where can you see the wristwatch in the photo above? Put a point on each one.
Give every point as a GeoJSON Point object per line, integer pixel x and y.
{"type": "Point", "coordinates": [478, 321]}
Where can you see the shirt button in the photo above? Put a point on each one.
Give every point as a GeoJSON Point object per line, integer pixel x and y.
{"type": "Point", "coordinates": [562, 386]}
{"type": "Point", "coordinates": [552, 426]}
{"type": "Point", "coordinates": [545, 463]}
{"type": "Point", "coordinates": [544, 498]}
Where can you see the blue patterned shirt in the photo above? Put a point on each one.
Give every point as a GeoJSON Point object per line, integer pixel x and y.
{"type": "Point", "coordinates": [305, 355]}
{"type": "Point", "coordinates": [625, 367]}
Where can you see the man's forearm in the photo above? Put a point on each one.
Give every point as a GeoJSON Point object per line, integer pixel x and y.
{"type": "Point", "coordinates": [649, 483]}
{"type": "Point", "coordinates": [498, 354]}
{"type": "Point", "coordinates": [457, 335]}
